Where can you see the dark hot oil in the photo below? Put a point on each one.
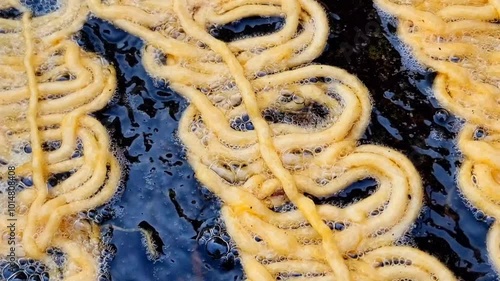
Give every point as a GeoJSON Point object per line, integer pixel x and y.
{"type": "Point", "coordinates": [166, 227]}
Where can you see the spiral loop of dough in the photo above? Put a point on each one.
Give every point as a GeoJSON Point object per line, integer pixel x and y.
{"type": "Point", "coordinates": [270, 134]}
{"type": "Point", "coordinates": [459, 40]}
{"type": "Point", "coordinates": [47, 29]}
{"type": "Point", "coordinates": [48, 88]}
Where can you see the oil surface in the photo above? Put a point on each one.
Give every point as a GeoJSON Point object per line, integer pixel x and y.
{"type": "Point", "coordinates": [166, 226]}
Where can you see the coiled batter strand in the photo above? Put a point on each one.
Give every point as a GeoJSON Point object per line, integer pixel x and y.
{"type": "Point", "coordinates": [266, 139]}
{"type": "Point", "coordinates": [266, 146]}
{"type": "Point", "coordinates": [45, 96]}
{"type": "Point", "coordinates": [49, 29]}
{"type": "Point", "coordinates": [460, 41]}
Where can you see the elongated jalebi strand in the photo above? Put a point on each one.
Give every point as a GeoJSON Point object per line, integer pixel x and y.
{"type": "Point", "coordinates": [48, 86]}
{"type": "Point", "coordinates": [460, 40]}
{"type": "Point", "coordinates": [271, 135]}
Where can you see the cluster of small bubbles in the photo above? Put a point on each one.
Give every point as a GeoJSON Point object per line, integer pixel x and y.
{"type": "Point", "coordinates": [63, 77]}
{"type": "Point", "coordinates": [330, 80]}
{"type": "Point", "coordinates": [214, 31]}
{"type": "Point", "coordinates": [51, 146]}
{"type": "Point", "coordinates": [441, 117]}
{"type": "Point", "coordinates": [41, 7]}
{"type": "Point", "coordinates": [214, 238]}
{"type": "Point", "coordinates": [264, 261]}
{"type": "Point", "coordinates": [377, 211]}
{"type": "Point", "coordinates": [480, 134]}
{"type": "Point", "coordinates": [101, 214]}
{"type": "Point", "coordinates": [479, 215]}
{"type": "Point", "coordinates": [45, 67]}
{"type": "Point", "coordinates": [178, 34]}
{"type": "Point", "coordinates": [379, 232]}
{"type": "Point", "coordinates": [338, 226]}
{"type": "Point", "coordinates": [297, 159]}
{"type": "Point", "coordinates": [409, 61]}
{"type": "Point", "coordinates": [322, 181]}
{"type": "Point", "coordinates": [310, 275]}
{"type": "Point", "coordinates": [24, 269]}
{"type": "Point", "coordinates": [232, 173]}
{"type": "Point", "coordinates": [104, 276]}
{"type": "Point", "coordinates": [406, 240]}
{"type": "Point", "coordinates": [286, 96]}
{"type": "Point", "coordinates": [242, 124]}
{"type": "Point", "coordinates": [305, 81]}
{"type": "Point", "coordinates": [489, 220]}
{"type": "Point", "coordinates": [10, 13]}
{"type": "Point", "coordinates": [285, 208]}
{"type": "Point", "coordinates": [201, 45]}
{"type": "Point", "coordinates": [159, 57]}
{"type": "Point", "coordinates": [274, 67]}
{"type": "Point", "coordinates": [455, 59]}
{"type": "Point", "coordinates": [394, 261]}
{"type": "Point", "coordinates": [198, 128]}
{"type": "Point", "coordinates": [56, 179]}
{"type": "Point", "coordinates": [303, 113]}
{"type": "Point", "coordinates": [288, 275]}
{"type": "Point", "coordinates": [50, 97]}
{"type": "Point", "coordinates": [474, 180]}
{"type": "Point", "coordinates": [304, 224]}
{"type": "Point", "coordinates": [57, 256]}
{"type": "Point", "coordinates": [213, 58]}
{"type": "Point", "coordinates": [210, 229]}
{"type": "Point", "coordinates": [3, 189]}
{"type": "Point", "coordinates": [107, 254]}
{"type": "Point", "coordinates": [160, 82]}
{"type": "Point", "coordinates": [106, 234]}
{"type": "Point", "coordinates": [79, 151]}
{"type": "Point", "coordinates": [226, 100]}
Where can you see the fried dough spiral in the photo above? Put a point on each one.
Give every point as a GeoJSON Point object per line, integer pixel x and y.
{"type": "Point", "coordinates": [48, 88]}
{"type": "Point", "coordinates": [271, 134]}
{"type": "Point", "coordinates": [460, 40]}
{"type": "Point", "coordinates": [48, 29]}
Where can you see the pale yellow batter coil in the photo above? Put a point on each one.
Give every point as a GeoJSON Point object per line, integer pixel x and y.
{"type": "Point", "coordinates": [460, 40]}
{"type": "Point", "coordinates": [48, 88]}
{"type": "Point", "coordinates": [267, 131]}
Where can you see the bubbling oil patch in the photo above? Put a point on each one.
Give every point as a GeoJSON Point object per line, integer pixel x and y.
{"type": "Point", "coordinates": [460, 40]}
{"type": "Point", "coordinates": [267, 131]}
{"type": "Point", "coordinates": [48, 88]}
{"type": "Point", "coordinates": [49, 29]}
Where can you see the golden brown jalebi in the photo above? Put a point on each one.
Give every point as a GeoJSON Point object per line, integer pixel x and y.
{"type": "Point", "coordinates": [48, 86]}
{"type": "Point", "coordinates": [460, 40]}
{"type": "Point", "coordinates": [269, 133]}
